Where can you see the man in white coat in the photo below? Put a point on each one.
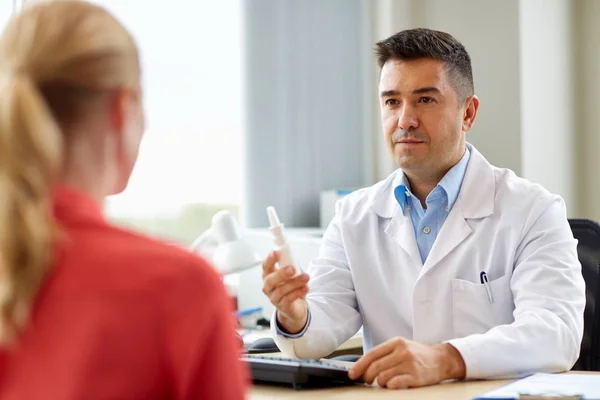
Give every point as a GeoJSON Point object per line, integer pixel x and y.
{"type": "Point", "coordinates": [453, 267]}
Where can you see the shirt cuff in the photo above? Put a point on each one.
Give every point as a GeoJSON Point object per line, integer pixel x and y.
{"type": "Point", "coordinates": [298, 335]}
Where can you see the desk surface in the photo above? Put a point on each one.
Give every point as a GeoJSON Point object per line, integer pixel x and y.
{"type": "Point", "coordinates": [448, 391]}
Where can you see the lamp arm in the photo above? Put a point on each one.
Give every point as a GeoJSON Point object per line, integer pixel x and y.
{"type": "Point", "coordinates": [205, 238]}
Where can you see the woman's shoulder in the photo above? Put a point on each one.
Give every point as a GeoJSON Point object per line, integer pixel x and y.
{"type": "Point", "coordinates": [136, 262]}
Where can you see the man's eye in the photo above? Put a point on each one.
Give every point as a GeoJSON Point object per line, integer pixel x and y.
{"type": "Point", "coordinates": [426, 100]}
{"type": "Point", "coordinates": [391, 102]}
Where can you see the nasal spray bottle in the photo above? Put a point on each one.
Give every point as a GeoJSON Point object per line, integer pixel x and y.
{"type": "Point", "coordinates": [281, 245]}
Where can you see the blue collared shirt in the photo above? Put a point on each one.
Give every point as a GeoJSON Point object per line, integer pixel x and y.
{"type": "Point", "coordinates": [428, 223]}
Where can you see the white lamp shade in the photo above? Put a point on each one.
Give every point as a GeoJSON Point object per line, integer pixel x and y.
{"type": "Point", "coordinates": [224, 245]}
{"type": "Point", "coordinates": [235, 256]}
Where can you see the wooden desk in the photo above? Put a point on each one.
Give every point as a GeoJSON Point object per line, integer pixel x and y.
{"type": "Point", "coordinates": [354, 344]}
{"type": "Point", "coordinates": [447, 391]}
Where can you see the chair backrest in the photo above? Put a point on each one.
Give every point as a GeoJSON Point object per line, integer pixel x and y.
{"type": "Point", "coordinates": [588, 249]}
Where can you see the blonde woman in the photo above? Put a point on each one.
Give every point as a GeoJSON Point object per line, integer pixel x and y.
{"type": "Point", "coordinates": [87, 310]}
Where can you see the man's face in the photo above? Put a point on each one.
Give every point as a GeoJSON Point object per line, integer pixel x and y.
{"type": "Point", "coordinates": [423, 123]}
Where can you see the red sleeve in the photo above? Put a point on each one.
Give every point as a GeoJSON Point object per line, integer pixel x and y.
{"type": "Point", "coordinates": [202, 351]}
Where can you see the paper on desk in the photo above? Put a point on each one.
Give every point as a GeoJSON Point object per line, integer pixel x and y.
{"type": "Point", "coordinates": [253, 335]}
{"type": "Point", "coordinates": [587, 386]}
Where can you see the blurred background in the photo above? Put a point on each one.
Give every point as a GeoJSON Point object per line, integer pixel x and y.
{"type": "Point", "coordinates": [252, 103]}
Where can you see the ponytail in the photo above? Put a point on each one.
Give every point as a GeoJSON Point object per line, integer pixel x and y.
{"type": "Point", "coordinates": [30, 156]}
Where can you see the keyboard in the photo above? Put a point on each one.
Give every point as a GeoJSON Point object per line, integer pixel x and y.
{"type": "Point", "coordinates": [297, 373]}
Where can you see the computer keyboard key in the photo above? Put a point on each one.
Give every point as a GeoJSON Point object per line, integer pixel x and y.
{"type": "Point", "coordinates": [297, 373]}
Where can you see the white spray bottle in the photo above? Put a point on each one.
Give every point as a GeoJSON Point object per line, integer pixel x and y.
{"type": "Point", "coordinates": [281, 245]}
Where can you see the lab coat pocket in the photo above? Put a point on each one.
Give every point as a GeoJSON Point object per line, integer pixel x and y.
{"type": "Point", "coordinates": [473, 310]}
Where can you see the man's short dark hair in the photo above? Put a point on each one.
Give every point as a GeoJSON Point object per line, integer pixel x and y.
{"type": "Point", "coordinates": [413, 44]}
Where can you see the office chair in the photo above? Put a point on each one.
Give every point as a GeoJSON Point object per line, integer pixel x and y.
{"type": "Point", "coordinates": [588, 249]}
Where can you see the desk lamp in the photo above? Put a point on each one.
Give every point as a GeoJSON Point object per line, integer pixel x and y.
{"type": "Point", "coordinates": [224, 245]}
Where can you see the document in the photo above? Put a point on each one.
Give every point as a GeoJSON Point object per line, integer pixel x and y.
{"type": "Point", "coordinates": [550, 386]}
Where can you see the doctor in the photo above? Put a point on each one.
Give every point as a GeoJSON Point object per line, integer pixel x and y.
{"type": "Point", "coordinates": [455, 268]}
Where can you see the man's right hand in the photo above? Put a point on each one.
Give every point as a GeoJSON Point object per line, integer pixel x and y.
{"type": "Point", "coordinates": [287, 293]}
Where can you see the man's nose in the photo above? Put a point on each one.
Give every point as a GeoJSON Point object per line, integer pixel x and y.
{"type": "Point", "coordinates": [407, 118]}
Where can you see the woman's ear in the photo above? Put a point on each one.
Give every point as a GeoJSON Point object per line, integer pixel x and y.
{"type": "Point", "coordinates": [127, 126]}
{"type": "Point", "coordinates": [120, 107]}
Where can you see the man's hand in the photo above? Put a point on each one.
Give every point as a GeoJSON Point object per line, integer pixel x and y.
{"type": "Point", "coordinates": [286, 293]}
{"type": "Point", "coordinates": [400, 363]}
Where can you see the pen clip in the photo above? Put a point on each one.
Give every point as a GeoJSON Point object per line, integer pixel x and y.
{"type": "Point", "coordinates": [485, 282]}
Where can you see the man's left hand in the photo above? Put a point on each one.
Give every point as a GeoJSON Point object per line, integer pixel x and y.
{"type": "Point", "coordinates": [400, 363]}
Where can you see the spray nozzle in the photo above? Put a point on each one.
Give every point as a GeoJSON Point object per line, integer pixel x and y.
{"type": "Point", "coordinates": [282, 247]}
{"type": "Point", "coordinates": [273, 218]}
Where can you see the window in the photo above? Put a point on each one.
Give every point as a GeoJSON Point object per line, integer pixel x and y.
{"type": "Point", "coordinates": [6, 11]}
{"type": "Point", "coordinates": [189, 165]}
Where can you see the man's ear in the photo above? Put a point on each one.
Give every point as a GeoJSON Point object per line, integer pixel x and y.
{"type": "Point", "coordinates": [471, 108]}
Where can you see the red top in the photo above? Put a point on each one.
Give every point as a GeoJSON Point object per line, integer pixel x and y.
{"type": "Point", "coordinates": [121, 316]}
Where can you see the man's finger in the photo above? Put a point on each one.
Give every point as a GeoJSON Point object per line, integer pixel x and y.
{"type": "Point", "coordinates": [404, 367]}
{"type": "Point", "coordinates": [268, 265]}
{"type": "Point", "coordinates": [281, 291]}
{"type": "Point", "coordinates": [403, 381]}
{"type": "Point", "coordinates": [375, 353]}
{"type": "Point", "coordinates": [390, 360]}
{"type": "Point", "coordinates": [287, 300]}
{"type": "Point", "coordinates": [274, 279]}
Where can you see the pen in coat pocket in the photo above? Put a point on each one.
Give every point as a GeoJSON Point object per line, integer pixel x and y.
{"type": "Point", "coordinates": [484, 281]}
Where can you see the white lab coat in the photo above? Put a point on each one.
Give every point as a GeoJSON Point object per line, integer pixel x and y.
{"type": "Point", "coordinates": [369, 273]}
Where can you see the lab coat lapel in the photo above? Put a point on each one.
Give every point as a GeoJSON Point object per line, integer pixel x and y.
{"type": "Point", "coordinates": [398, 226]}
{"type": "Point", "coordinates": [400, 229]}
{"type": "Point", "coordinates": [454, 231]}
{"type": "Point", "coordinates": [475, 200]}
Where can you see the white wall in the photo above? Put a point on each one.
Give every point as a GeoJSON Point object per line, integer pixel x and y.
{"type": "Point", "coordinates": [587, 110]}
{"type": "Point", "coordinates": [547, 96]}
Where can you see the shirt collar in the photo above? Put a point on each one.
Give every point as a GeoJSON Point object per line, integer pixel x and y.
{"type": "Point", "coordinates": [73, 204]}
{"type": "Point", "coordinates": [450, 183]}
{"type": "Point", "coordinates": [402, 192]}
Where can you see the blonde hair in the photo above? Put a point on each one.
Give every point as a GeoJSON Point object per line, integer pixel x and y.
{"type": "Point", "coordinates": [54, 56]}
